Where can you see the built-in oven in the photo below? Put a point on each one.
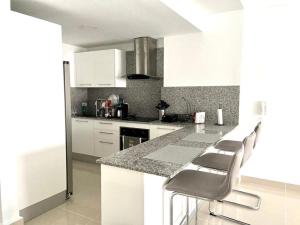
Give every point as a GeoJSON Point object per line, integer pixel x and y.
{"type": "Point", "coordinates": [132, 136]}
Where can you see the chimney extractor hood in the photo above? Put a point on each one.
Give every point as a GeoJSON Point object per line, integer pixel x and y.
{"type": "Point", "coordinates": [145, 58]}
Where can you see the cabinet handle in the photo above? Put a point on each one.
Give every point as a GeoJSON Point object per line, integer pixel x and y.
{"type": "Point", "coordinates": [162, 128]}
{"type": "Point", "coordinates": [101, 132]}
{"type": "Point", "coordinates": [106, 142]}
{"type": "Point", "coordinates": [85, 84]}
{"type": "Point", "coordinates": [105, 123]}
{"type": "Point", "coordinates": [82, 121]}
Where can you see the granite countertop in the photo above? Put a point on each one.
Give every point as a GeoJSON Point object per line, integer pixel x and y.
{"type": "Point", "coordinates": [164, 156]}
{"type": "Point", "coordinates": [154, 122]}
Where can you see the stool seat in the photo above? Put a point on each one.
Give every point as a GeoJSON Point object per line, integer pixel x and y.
{"type": "Point", "coordinates": [228, 145]}
{"type": "Point", "coordinates": [214, 161]}
{"type": "Point", "coordinates": [200, 184]}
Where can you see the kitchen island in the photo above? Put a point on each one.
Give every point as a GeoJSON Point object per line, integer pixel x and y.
{"type": "Point", "coordinates": [132, 180]}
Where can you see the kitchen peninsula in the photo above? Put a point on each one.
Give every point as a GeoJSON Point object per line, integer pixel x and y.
{"type": "Point", "coordinates": [132, 180]}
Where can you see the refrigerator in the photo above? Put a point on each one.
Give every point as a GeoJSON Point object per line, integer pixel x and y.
{"type": "Point", "coordinates": [68, 111]}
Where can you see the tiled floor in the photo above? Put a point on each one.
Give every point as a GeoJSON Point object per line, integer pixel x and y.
{"type": "Point", "coordinates": [84, 206]}
{"type": "Point", "coordinates": [280, 203]}
{"type": "Point", "coordinates": [280, 206]}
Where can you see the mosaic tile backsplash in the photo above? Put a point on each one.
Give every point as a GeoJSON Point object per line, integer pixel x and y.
{"type": "Point", "coordinates": [205, 99]}
{"type": "Point", "coordinates": [142, 96]}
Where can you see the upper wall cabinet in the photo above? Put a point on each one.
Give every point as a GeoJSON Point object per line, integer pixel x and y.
{"type": "Point", "coordinates": [104, 68]}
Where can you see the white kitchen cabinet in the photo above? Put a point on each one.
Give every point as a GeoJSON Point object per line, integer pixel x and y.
{"type": "Point", "coordinates": [106, 138]}
{"type": "Point", "coordinates": [101, 138]}
{"type": "Point", "coordinates": [106, 142]}
{"type": "Point", "coordinates": [103, 68]}
{"type": "Point", "coordinates": [106, 125]}
{"type": "Point", "coordinates": [82, 136]}
{"type": "Point", "coordinates": [84, 69]}
{"type": "Point", "coordinates": [105, 148]}
{"type": "Point", "coordinates": [158, 130]}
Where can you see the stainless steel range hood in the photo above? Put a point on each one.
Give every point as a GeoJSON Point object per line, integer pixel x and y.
{"type": "Point", "coordinates": [145, 58]}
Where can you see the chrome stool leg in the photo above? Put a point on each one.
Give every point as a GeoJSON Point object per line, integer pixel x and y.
{"type": "Point", "coordinates": [196, 212]}
{"type": "Point", "coordinates": [187, 211]}
{"type": "Point", "coordinates": [257, 197]}
{"type": "Point", "coordinates": [186, 216]}
{"type": "Point", "coordinates": [171, 207]}
{"type": "Point", "coordinates": [213, 213]}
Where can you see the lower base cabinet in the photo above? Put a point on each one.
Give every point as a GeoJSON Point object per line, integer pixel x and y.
{"type": "Point", "coordinates": [106, 142]}
{"type": "Point", "coordinates": [102, 138]}
{"type": "Point", "coordinates": [82, 136]}
{"type": "Point", "coordinates": [94, 138]}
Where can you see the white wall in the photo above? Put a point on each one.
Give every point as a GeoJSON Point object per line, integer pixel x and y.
{"type": "Point", "coordinates": [9, 210]}
{"type": "Point", "coordinates": [4, 5]}
{"type": "Point", "coordinates": [268, 75]}
{"type": "Point", "coordinates": [33, 114]}
{"type": "Point", "coordinates": [206, 58]}
{"type": "Point", "coordinates": [68, 55]}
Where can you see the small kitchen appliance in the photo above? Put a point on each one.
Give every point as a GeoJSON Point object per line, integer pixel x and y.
{"type": "Point", "coordinates": [199, 117]}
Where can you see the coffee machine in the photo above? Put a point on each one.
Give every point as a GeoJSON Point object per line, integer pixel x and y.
{"type": "Point", "coordinates": [122, 110]}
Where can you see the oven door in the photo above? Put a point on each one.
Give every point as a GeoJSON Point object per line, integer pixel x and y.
{"type": "Point", "coordinates": [132, 136]}
{"type": "Point", "coordinates": [129, 141]}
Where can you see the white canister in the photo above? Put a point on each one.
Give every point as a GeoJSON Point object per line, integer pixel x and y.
{"type": "Point", "coordinates": [200, 117]}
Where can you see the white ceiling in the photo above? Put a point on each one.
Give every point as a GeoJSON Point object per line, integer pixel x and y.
{"type": "Point", "coordinates": [89, 23]}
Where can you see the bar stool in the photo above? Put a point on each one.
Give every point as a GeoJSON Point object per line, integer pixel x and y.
{"type": "Point", "coordinates": [257, 130]}
{"type": "Point", "coordinates": [206, 186]}
{"type": "Point", "coordinates": [221, 162]}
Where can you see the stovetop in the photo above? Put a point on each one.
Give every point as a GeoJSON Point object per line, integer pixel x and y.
{"type": "Point", "coordinates": [139, 119]}
{"type": "Point", "coordinates": [129, 118]}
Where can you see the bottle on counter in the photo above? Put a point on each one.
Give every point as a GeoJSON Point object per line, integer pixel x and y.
{"type": "Point", "coordinates": [220, 115]}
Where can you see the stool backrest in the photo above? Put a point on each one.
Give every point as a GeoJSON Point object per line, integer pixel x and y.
{"type": "Point", "coordinates": [257, 130]}
{"type": "Point", "coordinates": [233, 171]}
{"type": "Point", "coordinates": [248, 146]}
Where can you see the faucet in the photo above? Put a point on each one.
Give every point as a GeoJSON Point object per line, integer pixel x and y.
{"type": "Point", "coordinates": [188, 106]}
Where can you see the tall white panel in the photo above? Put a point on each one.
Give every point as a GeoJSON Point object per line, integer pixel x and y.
{"type": "Point", "coordinates": [32, 97]}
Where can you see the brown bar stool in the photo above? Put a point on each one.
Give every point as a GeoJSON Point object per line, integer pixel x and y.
{"type": "Point", "coordinates": [206, 186]}
{"type": "Point", "coordinates": [221, 162]}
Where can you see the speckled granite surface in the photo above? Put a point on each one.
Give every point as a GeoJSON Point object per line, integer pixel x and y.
{"type": "Point", "coordinates": [133, 158]}
{"type": "Point", "coordinates": [205, 99]}
{"type": "Point", "coordinates": [155, 122]}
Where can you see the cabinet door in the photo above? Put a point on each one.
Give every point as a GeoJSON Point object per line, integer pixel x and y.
{"type": "Point", "coordinates": [106, 142]}
{"type": "Point", "coordinates": [105, 148]}
{"type": "Point", "coordinates": [104, 75]}
{"type": "Point", "coordinates": [84, 69]}
{"type": "Point", "coordinates": [82, 136]}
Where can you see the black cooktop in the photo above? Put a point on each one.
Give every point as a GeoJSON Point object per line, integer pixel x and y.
{"type": "Point", "coordinates": [139, 119]}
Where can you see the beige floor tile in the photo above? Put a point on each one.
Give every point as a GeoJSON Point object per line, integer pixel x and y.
{"type": "Point", "coordinates": [292, 205]}
{"type": "Point", "coordinates": [272, 209]}
{"type": "Point", "coordinates": [84, 206]}
{"type": "Point", "coordinates": [86, 198]}
{"type": "Point", "coordinates": [58, 217]}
